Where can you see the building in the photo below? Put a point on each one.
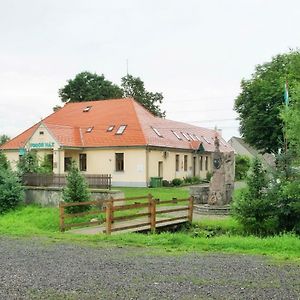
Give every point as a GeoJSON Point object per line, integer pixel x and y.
{"type": "Point", "coordinates": [243, 148]}
{"type": "Point", "coordinates": [118, 137]}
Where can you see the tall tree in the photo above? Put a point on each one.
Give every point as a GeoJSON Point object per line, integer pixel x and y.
{"type": "Point", "coordinates": [261, 100]}
{"type": "Point", "coordinates": [134, 87]}
{"type": "Point", "coordinates": [87, 87]}
{"type": "Point", "coordinates": [3, 139]}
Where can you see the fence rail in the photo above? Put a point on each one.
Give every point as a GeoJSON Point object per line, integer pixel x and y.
{"type": "Point", "coordinates": [148, 217]}
{"type": "Point", "coordinates": [55, 180]}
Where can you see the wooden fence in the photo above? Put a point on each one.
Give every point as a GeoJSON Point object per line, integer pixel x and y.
{"type": "Point", "coordinates": [147, 217]}
{"type": "Point", "coordinates": [55, 180]}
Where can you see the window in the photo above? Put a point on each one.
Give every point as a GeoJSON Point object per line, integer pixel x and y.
{"type": "Point", "coordinates": [192, 137]}
{"type": "Point", "coordinates": [87, 108]}
{"type": "Point", "coordinates": [82, 162]}
{"type": "Point", "coordinates": [186, 136]}
{"type": "Point", "coordinates": [201, 163]}
{"type": "Point", "coordinates": [157, 132]}
{"type": "Point", "coordinates": [119, 161]}
{"type": "Point", "coordinates": [121, 129]}
{"type": "Point", "coordinates": [197, 137]}
{"type": "Point", "coordinates": [110, 128]}
{"type": "Point", "coordinates": [177, 135]}
{"type": "Point", "coordinates": [206, 163]}
{"type": "Point", "coordinates": [68, 163]}
{"type": "Point", "coordinates": [206, 140]}
{"type": "Point", "coordinates": [41, 132]}
{"type": "Point", "coordinates": [177, 162]}
{"type": "Point", "coordinates": [89, 130]}
{"type": "Point", "coordinates": [49, 160]}
{"type": "Point", "coordinates": [185, 163]}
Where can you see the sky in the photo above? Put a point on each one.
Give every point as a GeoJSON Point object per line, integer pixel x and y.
{"type": "Point", "coordinates": [196, 52]}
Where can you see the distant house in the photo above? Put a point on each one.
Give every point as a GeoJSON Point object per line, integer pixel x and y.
{"type": "Point", "coordinates": [241, 147]}
{"type": "Point", "coordinates": [118, 137]}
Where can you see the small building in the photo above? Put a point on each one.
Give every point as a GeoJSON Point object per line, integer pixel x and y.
{"type": "Point", "coordinates": [118, 137]}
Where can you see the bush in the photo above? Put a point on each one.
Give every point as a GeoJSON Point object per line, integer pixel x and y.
{"type": "Point", "coordinates": [209, 176]}
{"type": "Point", "coordinates": [177, 181]}
{"type": "Point", "coordinates": [28, 163]}
{"type": "Point", "coordinates": [4, 163]}
{"type": "Point", "coordinates": [166, 183]}
{"type": "Point", "coordinates": [76, 190]}
{"type": "Point", "coordinates": [192, 180]}
{"type": "Point", "coordinates": [11, 191]}
{"type": "Point", "coordinates": [242, 166]}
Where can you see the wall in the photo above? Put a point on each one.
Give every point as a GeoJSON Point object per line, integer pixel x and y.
{"type": "Point", "coordinates": [13, 157]}
{"type": "Point", "coordinates": [47, 196]}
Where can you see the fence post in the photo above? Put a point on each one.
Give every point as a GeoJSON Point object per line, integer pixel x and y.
{"type": "Point", "coordinates": [191, 207]}
{"type": "Point", "coordinates": [61, 217]}
{"type": "Point", "coordinates": [109, 216]}
{"type": "Point", "coordinates": [152, 212]}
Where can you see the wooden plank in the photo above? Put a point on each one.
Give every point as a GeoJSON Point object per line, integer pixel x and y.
{"type": "Point", "coordinates": [130, 226]}
{"type": "Point", "coordinates": [171, 201]}
{"type": "Point", "coordinates": [191, 207]}
{"type": "Point", "coordinates": [83, 203]}
{"type": "Point", "coordinates": [153, 214]}
{"type": "Point", "coordinates": [61, 217]}
{"type": "Point", "coordinates": [85, 213]}
{"type": "Point", "coordinates": [70, 225]}
{"type": "Point", "coordinates": [171, 219]}
{"type": "Point", "coordinates": [130, 217]}
{"type": "Point", "coordinates": [128, 199]}
{"type": "Point", "coordinates": [129, 206]}
{"type": "Point", "coordinates": [109, 215]}
{"type": "Point", "coordinates": [172, 210]}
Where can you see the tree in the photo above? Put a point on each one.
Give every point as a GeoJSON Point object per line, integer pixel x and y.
{"type": "Point", "coordinates": [4, 163]}
{"type": "Point", "coordinates": [134, 87]}
{"type": "Point", "coordinates": [242, 165]}
{"type": "Point", "coordinates": [87, 87]}
{"type": "Point", "coordinates": [76, 190]}
{"type": "Point", "coordinates": [3, 139]}
{"type": "Point", "coordinates": [28, 163]}
{"type": "Point", "coordinates": [261, 99]}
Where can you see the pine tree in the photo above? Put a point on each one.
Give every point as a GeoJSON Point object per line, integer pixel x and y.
{"type": "Point", "coordinates": [76, 190]}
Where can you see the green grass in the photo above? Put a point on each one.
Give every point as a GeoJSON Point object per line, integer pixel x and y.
{"type": "Point", "coordinates": [32, 220]}
{"type": "Point", "coordinates": [163, 193]}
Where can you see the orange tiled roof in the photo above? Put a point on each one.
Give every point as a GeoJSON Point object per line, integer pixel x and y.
{"type": "Point", "coordinates": [69, 127]}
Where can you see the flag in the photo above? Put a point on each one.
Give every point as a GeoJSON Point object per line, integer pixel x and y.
{"type": "Point", "coordinates": [286, 94]}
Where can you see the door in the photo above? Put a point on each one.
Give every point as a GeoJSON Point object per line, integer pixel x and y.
{"type": "Point", "coordinates": [160, 169]}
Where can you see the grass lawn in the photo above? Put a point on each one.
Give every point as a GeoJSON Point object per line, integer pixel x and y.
{"type": "Point", "coordinates": [29, 221]}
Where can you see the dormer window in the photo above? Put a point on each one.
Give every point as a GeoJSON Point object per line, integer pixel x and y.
{"type": "Point", "coordinates": [87, 108]}
{"type": "Point", "coordinates": [121, 129]}
{"type": "Point", "coordinates": [89, 130]}
{"type": "Point", "coordinates": [110, 128]}
{"type": "Point", "coordinates": [186, 136]}
{"type": "Point", "coordinates": [177, 135]}
{"type": "Point", "coordinates": [157, 132]}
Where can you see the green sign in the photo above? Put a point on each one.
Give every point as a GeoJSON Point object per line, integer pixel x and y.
{"type": "Point", "coordinates": [22, 151]}
{"type": "Point", "coordinates": [41, 145]}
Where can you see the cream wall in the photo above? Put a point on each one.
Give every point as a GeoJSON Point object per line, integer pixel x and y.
{"type": "Point", "coordinates": [13, 157]}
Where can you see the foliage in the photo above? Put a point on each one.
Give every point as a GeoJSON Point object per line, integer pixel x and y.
{"type": "Point", "coordinates": [242, 165]}
{"type": "Point", "coordinates": [252, 206]}
{"type": "Point", "coordinates": [208, 176]}
{"type": "Point", "coordinates": [28, 163]}
{"type": "Point", "coordinates": [259, 103]}
{"type": "Point", "coordinates": [4, 163]}
{"type": "Point", "coordinates": [134, 87]}
{"type": "Point", "coordinates": [87, 87]}
{"type": "Point", "coordinates": [45, 166]}
{"type": "Point", "coordinates": [76, 190]}
{"type": "Point", "coordinates": [192, 180]}
{"type": "Point", "coordinates": [177, 181]}
{"type": "Point", "coordinates": [3, 139]}
{"type": "Point", "coordinates": [11, 191]}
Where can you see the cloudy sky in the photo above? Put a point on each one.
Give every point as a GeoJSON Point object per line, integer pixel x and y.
{"type": "Point", "coordinates": [195, 52]}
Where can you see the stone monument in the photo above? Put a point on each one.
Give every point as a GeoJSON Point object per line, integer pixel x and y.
{"type": "Point", "coordinates": [222, 182]}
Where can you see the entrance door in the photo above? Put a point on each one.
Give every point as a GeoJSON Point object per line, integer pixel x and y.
{"type": "Point", "coordinates": [194, 165]}
{"type": "Point", "coordinates": [160, 169]}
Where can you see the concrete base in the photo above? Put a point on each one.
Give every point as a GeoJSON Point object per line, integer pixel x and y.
{"type": "Point", "coordinates": [51, 196]}
{"type": "Point", "coordinates": [129, 184]}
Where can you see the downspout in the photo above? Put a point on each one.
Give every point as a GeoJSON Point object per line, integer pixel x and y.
{"type": "Point", "coordinates": [147, 165]}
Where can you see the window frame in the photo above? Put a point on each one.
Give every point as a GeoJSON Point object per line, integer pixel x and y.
{"type": "Point", "coordinates": [119, 162]}
{"type": "Point", "coordinates": [82, 162]}
{"type": "Point", "coordinates": [121, 131]}
{"type": "Point", "coordinates": [177, 162]}
{"type": "Point", "coordinates": [185, 163]}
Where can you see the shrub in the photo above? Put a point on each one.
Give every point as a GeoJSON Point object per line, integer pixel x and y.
{"type": "Point", "coordinates": [76, 190]}
{"type": "Point", "coordinates": [28, 163]}
{"type": "Point", "coordinates": [209, 176]}
{"type": "Point", "coordinates": [166, 183]}
{"type": "Point", "coordinates": [177, 181]}
{"type": "Point", "coordinates": [242, 166]}
{"type": "Point", "coordinates": [4, 163]}
{"type": "Point", "coordinates": [11, 191]}
{"type": "Point", "coordinates": [188, 180]}
{"type": "Point", "coordinates": [45, 166]}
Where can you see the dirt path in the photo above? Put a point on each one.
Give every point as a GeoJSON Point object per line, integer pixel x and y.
{"type": "Point", "coordinates": [41, 269]}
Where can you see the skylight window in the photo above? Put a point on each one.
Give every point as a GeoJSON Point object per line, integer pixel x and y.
{"type": "Point", "coordinates": [121, 129]}
{"type": "Point", "coordinates": [89, 130]}
{"type": "Point", "coordinates": [87, 108]}
{"type": "Point", "coordinates": [110, 128]}
{"type": "Point", "coordinates": [197, 137]}
{"type": "Point", "coordinates": [206, 140]}
{"type": "Point", "coordinates": [186, 136]}
{"type": "Point", "coordinates": [157, 132]}
{"type": "Point", "coordinates": [192, 137]}
{"type": "Point", "coordinates": [177, 135]}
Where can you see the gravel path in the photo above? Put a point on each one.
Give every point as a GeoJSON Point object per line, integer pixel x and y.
{"type": "Point", "coordinates": [41, 269]}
